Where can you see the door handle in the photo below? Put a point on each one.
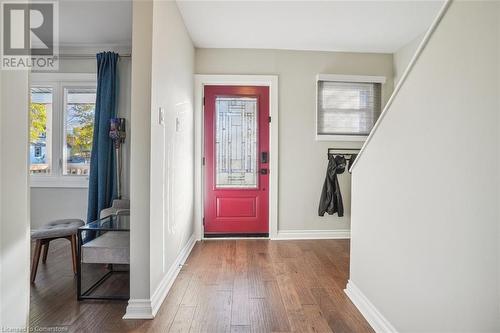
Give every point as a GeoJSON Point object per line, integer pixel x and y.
{"type": "Point", "coordinates": [263, 171]}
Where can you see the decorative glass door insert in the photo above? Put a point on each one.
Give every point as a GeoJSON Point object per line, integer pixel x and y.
{"type": "Point", "coordinates": [236, 142]}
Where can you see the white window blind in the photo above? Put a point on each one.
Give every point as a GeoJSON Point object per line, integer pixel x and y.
{"type": "Point", "coordinates": [347, 108]}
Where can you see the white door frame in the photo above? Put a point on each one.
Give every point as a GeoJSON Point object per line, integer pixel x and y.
{"type": "Point", "coordinates": [270, 81]}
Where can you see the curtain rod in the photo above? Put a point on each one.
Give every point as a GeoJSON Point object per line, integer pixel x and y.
{"type": "Point", "coordinates": [88, 56]}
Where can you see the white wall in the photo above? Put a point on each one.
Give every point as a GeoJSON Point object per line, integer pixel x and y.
{"type": "Point", "coordinates": [425, 218]}
{"type": "Point", "coordinates": [172, 150]}
{"type": "Point", "coordinates": [48, 204]}
{"type": "Point", "coordinates": [162, 176]}
{"type": "Point", "coordinates": [302, 159]}
{"type": "Point", "coordinates": [403, 56]}
{"type": "Point", "coordinates": [14, 200]}
{"type": "Point", "coordinates": [142, 25]}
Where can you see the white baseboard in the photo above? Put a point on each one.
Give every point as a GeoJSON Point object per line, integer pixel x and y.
{"type": "Point", "coordinates": [313, 234]}
{"type": "Point", "coordinates": [139, 309]}
{"type": "Point", "coordinates": [169, 278]}
{"type": "Point", "coordinates": [147, 308]}
{"type": "Point", "coordinates": [376, 320]}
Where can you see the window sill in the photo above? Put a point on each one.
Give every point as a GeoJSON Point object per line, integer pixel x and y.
{"type": "Point", "coordinates": [331, 137]}
{"type": "Point", "coordinates": [60, 182]}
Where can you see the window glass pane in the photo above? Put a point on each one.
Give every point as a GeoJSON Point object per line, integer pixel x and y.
{"type": "Point", "coordinates": [40, 134]}
{"type": "Point", "coordinates": [236, 142]}
{"type": "Point", "coordinates": [347, 108]}
{"type": "Point", "coordinates": [78, 129]}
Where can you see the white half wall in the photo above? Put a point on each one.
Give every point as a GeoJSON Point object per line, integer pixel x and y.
{"type": "Point", "coordinates": [425, 217]}
{"type": "Point", "coordinates": [302, 159]}
{"type": "Point", "coordinates": [403, 56]}
{"type": "Point", "coordinates": [14, 201]}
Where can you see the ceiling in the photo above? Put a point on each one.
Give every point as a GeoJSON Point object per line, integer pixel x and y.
{"type": "Point", "coordinates": [87, 23]}
{"type": "Point", "coordinates": [349, 26]}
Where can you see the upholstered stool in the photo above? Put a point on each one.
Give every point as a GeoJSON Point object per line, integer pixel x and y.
{"type": "Point", "coordinates": [57, 229]}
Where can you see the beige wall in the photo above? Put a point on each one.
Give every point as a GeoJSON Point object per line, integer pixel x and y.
{"type": "Point", "coordinates": [139, 156]}
{"type": "Point", "coordinates": [302, 160]}
{"type": "Point", "coordinates": [14, 200]}
{"type": "Point", "coordinates": [425, 223]}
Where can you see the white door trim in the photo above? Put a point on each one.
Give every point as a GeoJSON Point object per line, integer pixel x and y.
{"type": "Point", "coordinates": [270, 81]}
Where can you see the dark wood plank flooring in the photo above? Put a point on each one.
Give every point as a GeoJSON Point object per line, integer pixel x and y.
{"type": "Point", "coordinates": [225, 286]}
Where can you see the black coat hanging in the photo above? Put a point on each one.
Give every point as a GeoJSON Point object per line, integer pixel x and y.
{"type": "Point", "coordinates": [331, 199]}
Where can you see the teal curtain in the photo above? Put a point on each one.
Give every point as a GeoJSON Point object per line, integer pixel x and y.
{"type": "Point", "coordinates": [102, 189]}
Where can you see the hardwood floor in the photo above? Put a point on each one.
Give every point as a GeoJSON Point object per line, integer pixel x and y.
{"type": "Point", "coordinates": [225, 286]}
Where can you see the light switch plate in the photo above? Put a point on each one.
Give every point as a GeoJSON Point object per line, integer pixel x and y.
{"type": "Point", "coordinates": [161, 116]}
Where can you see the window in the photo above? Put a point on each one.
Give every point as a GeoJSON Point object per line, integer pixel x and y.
{"type": "Point", "coordinates": [79, 109]}
{"type": "Point", "coordinates": [61, 129]}
{"type": "Point", "coordinates": [347, 106]}
{"type": "Point", "coordinates": [40, 116]}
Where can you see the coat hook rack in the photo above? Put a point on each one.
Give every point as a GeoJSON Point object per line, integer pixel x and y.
{"type": "Point", "coordinates": [342, 151]}
{"type": "Point", "coordinates": [349, 154]}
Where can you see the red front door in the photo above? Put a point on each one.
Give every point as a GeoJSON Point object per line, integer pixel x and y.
{"type": "Point", "coordinates": [236, 160]}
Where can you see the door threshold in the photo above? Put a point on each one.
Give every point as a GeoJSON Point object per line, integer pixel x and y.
{"type": "Point", "coordinates": [233, 235]}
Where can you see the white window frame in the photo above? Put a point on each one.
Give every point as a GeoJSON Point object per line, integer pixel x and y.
{"type": "Point", "coordinates": [342, 78]}
{"type": "Point", "coordinates": [58, 82]}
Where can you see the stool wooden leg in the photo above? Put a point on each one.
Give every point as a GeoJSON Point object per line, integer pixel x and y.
{"type": "Point", "coordinates": [36, 258]}
{"type": "Point", "coordinates": [45, 251]}
{"type": "Point", "coordinates": [73, 252]}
